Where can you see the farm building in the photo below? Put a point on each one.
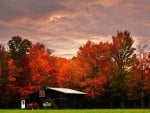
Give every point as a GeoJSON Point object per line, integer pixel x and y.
{"type": "Point", "coordinates": [58, 98]}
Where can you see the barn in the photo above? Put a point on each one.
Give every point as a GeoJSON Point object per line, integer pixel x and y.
{"type": "Point", "coordinates": [58, 98]}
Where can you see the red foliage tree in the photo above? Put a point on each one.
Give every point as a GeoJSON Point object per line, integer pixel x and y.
{"type": "Point", "coordinates": [13, 78]}
{"type": "Point", "coordinates": [139, 82]}
{"type": "Point", "coordinates": [42, 73]}
{"type": "Point", "coordinates": [65, 77]}
{"type": "Point", "coordinates": [38, 71]}
{"type": "Point", "coordinates": [93, 65]}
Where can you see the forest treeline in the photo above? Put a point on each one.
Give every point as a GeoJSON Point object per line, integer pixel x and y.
{"type": "Point", "coordinates": [113, 74]}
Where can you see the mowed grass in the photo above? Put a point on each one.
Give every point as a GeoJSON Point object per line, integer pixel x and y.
{"type": "Point", "coordinates": [80, 111]}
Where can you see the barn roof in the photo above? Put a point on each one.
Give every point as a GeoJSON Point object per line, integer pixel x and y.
{"type": "Point", "coordinates": [66, 90]}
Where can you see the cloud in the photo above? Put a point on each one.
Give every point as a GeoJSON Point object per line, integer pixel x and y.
{"type": "Point", "coordinates": [104, 3]}
{"type": "Point", "coordinates": [14, 10]}
{"type": "Point", "coordinates": [65, 25]}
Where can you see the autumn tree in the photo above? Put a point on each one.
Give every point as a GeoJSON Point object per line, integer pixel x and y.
{"type": "Point", "coordinates": [109, 72]}
{"type": "Point", "coordinates": [3, 73]}
{"type": "Point", "coordinates": [37, 72]}
{"type": "Point", "coordinates": [93, 62]}
{"type": "Point", "coordinates": [18, 71]}
{"type": "Point", "coordinates": [65, 77]}
{"type": "Point", "coordinates": [146, 84]}
{"type": "Point", "coordinates": [42, 73]}
{"type": "Point", "coordinates": [144, 66]}
{"type": "Point", "coordinates": [13, 74]}
{"type": "Point", "coordinates": [138, 84]}
{"type": "Point", "coordinates": [134, 84]}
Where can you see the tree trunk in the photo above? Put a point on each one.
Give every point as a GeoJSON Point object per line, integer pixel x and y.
{"type": "Point", "coordinates": [142, 102]}
{"type": "Point", "coordinates": [122, 103]}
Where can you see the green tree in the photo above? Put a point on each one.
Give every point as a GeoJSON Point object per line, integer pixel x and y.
{"type": "Point", "coordinates": [18, 47]}
{"type": "Point", "coordinates": [122, 56]}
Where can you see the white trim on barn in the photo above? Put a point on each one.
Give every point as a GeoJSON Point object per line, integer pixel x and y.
{"type": "Point", "coordinates": [66, 90]}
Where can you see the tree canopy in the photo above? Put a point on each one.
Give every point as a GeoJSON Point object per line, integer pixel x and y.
{"type": "Point", "coordinates": [111, 73]}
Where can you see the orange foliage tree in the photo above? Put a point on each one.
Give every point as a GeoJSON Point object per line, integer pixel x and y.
{"type": "Point", "coordinates": [109, 70]}
{"type": "Point", "coordinates": [37, 72]}
{"type": "Point", "coordinates": [93, 65]}
{"type": "Point", "coordinates": [139, 82]}
{"type": "Point", "coordinates": [66, 76]}
{"type": "Point", "coordinates": [42, 72]}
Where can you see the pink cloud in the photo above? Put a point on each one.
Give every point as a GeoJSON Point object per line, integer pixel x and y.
{"type": "Point", "coordinates": [64, 25]}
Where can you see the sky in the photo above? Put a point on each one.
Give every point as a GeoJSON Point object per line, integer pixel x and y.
{"type": "Point", "coordinates": [65, 25]}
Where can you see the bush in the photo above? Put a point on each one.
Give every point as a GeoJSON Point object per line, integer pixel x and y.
{"type": "Point", "coordinates": [32, 105]}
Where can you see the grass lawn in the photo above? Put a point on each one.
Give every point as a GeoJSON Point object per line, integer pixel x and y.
{"type": "Point", "coordinates": [80, 111]}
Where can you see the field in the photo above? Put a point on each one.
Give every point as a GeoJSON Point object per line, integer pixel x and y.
{"type": "Point", "coordinates": [80, 111]}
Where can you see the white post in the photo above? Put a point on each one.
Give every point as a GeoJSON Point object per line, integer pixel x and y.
{"type": "Point", "coordinates": [23, 105]}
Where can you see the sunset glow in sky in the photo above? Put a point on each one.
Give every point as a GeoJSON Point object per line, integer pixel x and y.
{"type": "Point", "coordinates": [65, 25]}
